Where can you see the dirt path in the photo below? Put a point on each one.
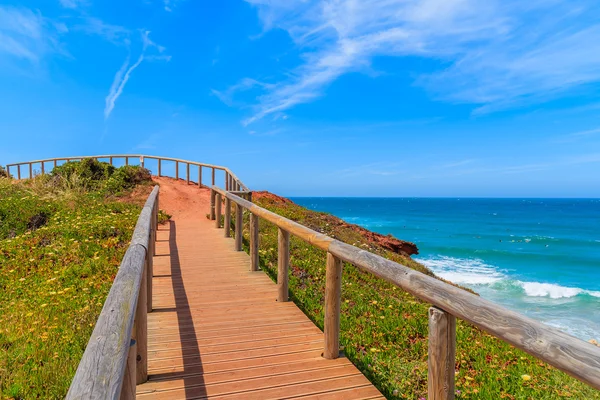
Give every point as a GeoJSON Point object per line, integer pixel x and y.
{"type": "Point", "coordinates": [181, 200]}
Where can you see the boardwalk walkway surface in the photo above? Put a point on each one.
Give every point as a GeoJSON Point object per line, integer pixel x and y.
{"type": "Point", "coordinates": [217, 331]}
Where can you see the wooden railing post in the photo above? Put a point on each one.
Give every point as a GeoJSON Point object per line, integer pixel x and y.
{"type": "Point", "coordinates": [199, 175]}
{"type": "Point", "coordinates": [19, 171]}
{"type": "Point", "coordinates": [218, 211]}
{"type": "Point", "coordinates": [227, 181]}
{"type": "Point", "coordinates": [8, 170]}
{"type": "Point", "coordinates": [213, 177]}
{"type": "Point", "coordinates": [159, 167]}
{"type": "Point", "coordinates": [151, 253]}
{"type": "Point", "coordinates": [283, 264]}
{"type": "Point", "coordinates": [54, 163]}
{"type": "Point", "coordinates": [187, 167]}
{"type": "Point", "coordinates": [212, 204]}
{"type": "Point", "coordinates": [333, 295]}
{"type": "Point", "coordinates": [30, 171]}
{"type": "Point", "coordinates": [141, 328]}
{"type": "Point", "coordinates": [43, 171]}
{"type": "Point", "coordinates": [126, 160]}
{"type": "Point", "coordinates": [227, 224]}
{"type": "Point", "coordinates": [176, 170]}
{"type": "Point", "coordinates": [128, 388]}
{"type": "Point", "coordinates": [254, 242]}
{"type": "Point", "coordinates": [110, 161]}
{"type": "Point", "coordinates": [239, 215]}
{"type": "Point", "coordinates": [442, 354]}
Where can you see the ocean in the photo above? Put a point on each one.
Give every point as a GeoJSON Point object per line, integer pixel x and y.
{"type": "Point", "coordinates": [540, 257]}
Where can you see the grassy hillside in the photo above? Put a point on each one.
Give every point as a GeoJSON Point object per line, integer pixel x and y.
{"type": "Point", "coordinates": [62, 238]}
{"type": "Point", "coordinates": [384, 329]}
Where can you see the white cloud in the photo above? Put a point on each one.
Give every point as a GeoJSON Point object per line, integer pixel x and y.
{"type": "Point", "coordinates": [124, 73]}
{"type": "Point", "coordinates": [497, 53]}
{"type": "Point", "coordinates": [27, 35]}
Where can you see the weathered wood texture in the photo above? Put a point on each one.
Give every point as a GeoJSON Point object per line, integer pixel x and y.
{"type": "Point", "coordinates": [102, 368]}
{"type": "Point", "coordinates": [333, 296]}
{"type": "Point", "coordinates": [442, 354]}
{"type": "Point", "coordinates": [217, 331]}
{"type": "Point", "coordinates": [128, 388]}
{"type": "Point", "coordinates": [567, 353]}
{"type": "Point", "coordinates": [218, 202]}
{"type": "Point", "coordinates": [239, 220]}
{"type": "Point", "coordinates": [254, 242]}
{"type": "Point", "coordinates": [227, 222]}
{"type": "Point", "coordinates": [283, 264]}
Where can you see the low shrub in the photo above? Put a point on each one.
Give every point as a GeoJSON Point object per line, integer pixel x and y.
{"type": "Point", "coordinates": [4, 173]}
{"type": "Point", "coordinates": [93, 175]}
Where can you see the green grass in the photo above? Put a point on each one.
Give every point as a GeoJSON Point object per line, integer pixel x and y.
{"type": "Point", "coordinates": [384, 329]}
{"type": "Point", "coordinates": [60, 248]}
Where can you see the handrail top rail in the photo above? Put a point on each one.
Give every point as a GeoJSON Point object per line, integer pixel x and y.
{"type": "Point", "coordinates": [565, 352]}
{"type": "Point", "coordinates": [216, 167]}
{"type": "Point", "coordinates": [100, 372]}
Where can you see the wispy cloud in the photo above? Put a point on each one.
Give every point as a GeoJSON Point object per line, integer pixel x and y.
{"type": "Point", "coordinates": [27, 35]}
{"type": "Point", "coordinates": [245, 84]}
{"type": "Point", "coordinates": [113, 33]}
{"type": "Point", "coordinates": [124, 73]}
{"type": "Point", "coordinates": [73, 4]}
{"type": "Point", "coordinates": [496, 54]}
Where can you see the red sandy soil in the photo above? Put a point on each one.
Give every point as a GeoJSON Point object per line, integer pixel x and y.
{"type": "Point", "coordinates": [182, 200]}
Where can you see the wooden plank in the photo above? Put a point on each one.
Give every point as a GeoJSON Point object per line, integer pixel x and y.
{"type": "Point", "coordinates": [187, 175]}
{"type": "Point", "coordinates": [442, 355]}
{"type": "Point", "coordinates": [249, 388]}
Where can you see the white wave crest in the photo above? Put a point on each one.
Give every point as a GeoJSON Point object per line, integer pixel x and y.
{"type": "Point", "coordinates": [463, 270]}
{"type": "Point", "coordinates": [537, 289]}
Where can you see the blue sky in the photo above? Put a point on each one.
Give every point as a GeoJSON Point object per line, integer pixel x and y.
{"type": "Point", "coordinates": [300, 97]}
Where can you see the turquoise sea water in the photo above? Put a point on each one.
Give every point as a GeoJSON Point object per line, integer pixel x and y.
{"type": "Point", "coordinates": [540, 257]}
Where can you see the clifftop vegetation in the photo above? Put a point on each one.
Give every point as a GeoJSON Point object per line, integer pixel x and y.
{"type": "Point", "coordinates": [62, 238]}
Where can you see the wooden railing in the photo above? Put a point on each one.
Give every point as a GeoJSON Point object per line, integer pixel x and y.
{"type": "Point", "coordinates": [116, 357]}
{"type": "Point", "coordinates": [567, 353]}
{"type": "Point", "coordinates": [231, 181]}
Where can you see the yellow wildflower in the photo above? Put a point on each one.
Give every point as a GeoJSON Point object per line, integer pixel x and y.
{"type": "Point", "coordinates": [526, 377]}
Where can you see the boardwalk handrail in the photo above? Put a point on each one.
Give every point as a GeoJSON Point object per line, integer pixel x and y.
{"type": "Point", "coordinates": [232, 182]}
{"type": "Point", "coordinates": [115, 358]}
{"type": "Point", "coordinates": [567, 353]}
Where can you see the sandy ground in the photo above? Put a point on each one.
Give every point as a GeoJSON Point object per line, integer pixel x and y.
{"type": "Point", "coordinates": [183, 201]}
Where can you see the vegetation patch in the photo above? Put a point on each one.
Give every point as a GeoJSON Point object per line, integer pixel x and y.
{"type": "Point", "coordinates": [384, 330]}
{"type": "Point", "coordinates": [62, 239]}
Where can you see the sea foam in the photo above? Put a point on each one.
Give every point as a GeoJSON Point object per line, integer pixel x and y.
{"type": "Point", "coordinates": [475, 272]}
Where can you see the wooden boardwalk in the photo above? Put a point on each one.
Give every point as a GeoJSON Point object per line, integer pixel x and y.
{"type": "Point", "coordinates": [218, 332]}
